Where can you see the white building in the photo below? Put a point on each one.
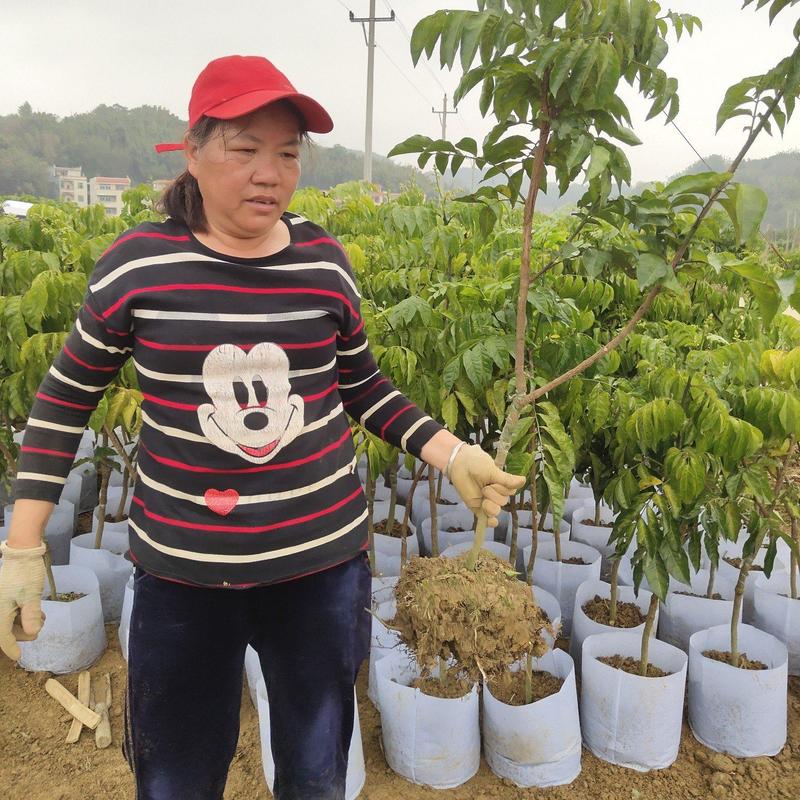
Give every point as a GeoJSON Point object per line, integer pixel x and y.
{"type": "Point", "coordinates": [108, 192]}
{"type": "Point", "coordinates": [71, 184]}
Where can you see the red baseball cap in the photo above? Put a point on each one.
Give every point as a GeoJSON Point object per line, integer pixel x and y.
{"type": "Point", "coordinates": [231, 86]}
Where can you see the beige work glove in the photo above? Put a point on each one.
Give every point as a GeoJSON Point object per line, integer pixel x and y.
{"type": "Point", "coordinates": [21, 586]}
{"type": "Point", "coordinates": [481, 484]}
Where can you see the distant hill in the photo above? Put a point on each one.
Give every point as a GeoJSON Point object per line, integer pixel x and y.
{"type": "Point", "coordinates": [114, 140]}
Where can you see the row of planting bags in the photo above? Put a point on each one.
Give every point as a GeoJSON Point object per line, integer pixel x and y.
{"type": "Point", "coordinates": [623, 718]}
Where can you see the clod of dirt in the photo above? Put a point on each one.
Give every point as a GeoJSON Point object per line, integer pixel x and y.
{"type": "Point", "coordinates": [715, 596]}
{"type": "Point", "coordinates": [509, 687]}
{"type": "Point", "coordinates": [484, 618]}
{"type": "Point", "coordinates": [67, 597]}
{"type": "Point", "coordinates": [455, 530]}
{"type": "Point", "coordinates": [633, 666]}
{"type": "Point", "coordinates": [396, 532]}
{"type": "Point", "coordinates": [725, 656]}
{"type": "Point", "coordinates": [597, 524]}
{"type": "Point", "coordinates": [451, 688]}
{"type": "Point", "coordinates": [575, 560]}
{"type": "Point", "coordinates": [629, 615]}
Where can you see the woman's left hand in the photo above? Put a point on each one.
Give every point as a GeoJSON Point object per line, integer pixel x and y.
{"type": "Point", "coordinates": [482, 484]}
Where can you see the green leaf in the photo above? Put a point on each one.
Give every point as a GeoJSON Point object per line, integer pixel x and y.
{"type": "Point", "coordinates": [594, 261]}
{"type": "Point", "coordinates": [746, 206]}
{"type": "Point", "coordinates": [450, 412]}
{"type": "Point", "coordinates": [656, 574]}
{"type": "Point", "coordinates": [564, 62]}
{"type": "Point", "coordinates": [650, 268]}
{"type": "Point", "coordinates": [598, 162]}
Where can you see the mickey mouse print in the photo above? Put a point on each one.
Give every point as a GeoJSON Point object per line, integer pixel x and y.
{"type": "Point", "coordinates": [252, 412]}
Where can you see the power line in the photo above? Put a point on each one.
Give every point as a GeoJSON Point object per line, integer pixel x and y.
{"type": "Point", "coordinates": [400, 70]}
{"type": "Point", "coordinates": [344, 6]}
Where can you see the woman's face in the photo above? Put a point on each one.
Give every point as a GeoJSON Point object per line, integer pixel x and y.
{"type": "Point", "coordinates": [248, 173]}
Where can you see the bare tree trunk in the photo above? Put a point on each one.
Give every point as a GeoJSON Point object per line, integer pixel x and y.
{"type": "Point", "coordinates": [648, 628]}
{"type": "Point", "coordinates": [407, 514]}
{"type": "Point", "coordinates": [712, 573]}
{"type": "Point", "coordinates": [512, 556]}
{"type": "Point", "coordinates": [793, 560]}
{"type": "Point", "coordinates": [612, 606]}
{"type": "Point", "coordinates": [371, 522]}
{"type": "Point", "coordinates": [434, 515]}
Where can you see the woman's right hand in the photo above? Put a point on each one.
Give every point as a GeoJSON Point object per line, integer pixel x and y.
{"type": "Point", "coordinates": [21, 585]}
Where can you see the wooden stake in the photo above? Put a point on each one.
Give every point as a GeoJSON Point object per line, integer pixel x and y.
{"type": "Point", "coordinates": [72, 704]}
{"type": "Point", "coordinates": [102, 734]}
{"type": "Point", "coordinates": [84, 690]}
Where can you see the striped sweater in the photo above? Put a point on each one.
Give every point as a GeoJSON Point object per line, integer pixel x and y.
{"type": "Point", "coordinates": [249, 369]}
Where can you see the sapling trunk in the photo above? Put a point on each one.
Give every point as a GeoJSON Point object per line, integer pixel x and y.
{"type": "Point", "coordinates": [597, 519]}
{"type": "Point", "coordinates": [712, 573]}
{"type": "Point", "coordinates": [392, 499]}
{"type": "Point", "coordinates": [120, 512]}
{"type": "Point", "coordinates": [105, 474]}
{"type": "Point", "coordinates": [370, 487]}
{"type": "Point", "coordinates": [793, 560]}
{"type": "Point", "coordinates": [434, 515]}
{"type": "Point", "coordinates": [738, 598]}
{"type": "Point", "coordinates": [648, 629]}
{"type": "Point", "coordinates": [534, 526]}
{"type": "Point", "coordinates": [48, 565]}
{"type": "Point", "coordinates": [557, 538]}
{"type": "Point", "coordinates": [407, 514]}
{"type": "Point", "coordinates": [439, 486]}
{"type": "Point", "coordinates": [529, 678]}
{"type": "Point", "coordinates": [512, 556]}
{"type": "Point", "coordinates": [612, 606]}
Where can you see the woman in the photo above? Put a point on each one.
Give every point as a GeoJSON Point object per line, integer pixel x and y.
{"type": "Point", "coordinates": [248, 520]}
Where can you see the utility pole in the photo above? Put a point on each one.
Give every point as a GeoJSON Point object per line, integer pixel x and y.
{"type": "Point", "coordinates": [370, 38]}
{"type": "Point", "coordinates": [443, 116]}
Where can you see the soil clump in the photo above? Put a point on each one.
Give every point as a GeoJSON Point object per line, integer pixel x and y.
{"type": "Point", "coordinates": [484, 618]}
{"type": "Point", "coordinates": [633, 666]}
{"type": "Point", "coordinates": [575, 560]}
{"type": "Point", "coordinates": [396, 532]}
{"type": "Point", "coordinates": [725, 657]}
{"type": "Point", "coordinates": [509, 688]}
{"type": "Point", "coordinates": [715, 596]}
{"type": "Point", "coordinates": [629, 615]}
{"type": "Point", "coordinates": [66, 597]}
{"type": "Point", "coordinates": [451, 689]}
{"type": "Point", "coordinates": [597, 524]}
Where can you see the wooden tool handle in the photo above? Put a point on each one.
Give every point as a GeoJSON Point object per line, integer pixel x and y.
{"type": "Point", "coordinates": [72, 704]}
{"type": "Point", "coordinates": [102, 733]}
{"type": "Point", "coordinates": [84, 690]}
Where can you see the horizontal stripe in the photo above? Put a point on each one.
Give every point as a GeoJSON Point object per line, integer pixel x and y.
{"type": "Point", "coordinates": [207, 348]}
{"type": "Point", "coordinates": [53, 426]}
{"type": "Point", "coordinates": [253, 499]}
{"type": "Point", "coordinates": [160, 401]}
{"type": "Point", "coordinates": [393, 418]}
{"type": "Point", "coordinates": [222, 558]}
{"type": "Point", "coordinates": [321, 240]}
{"type": "Point", "coordinates": [353, 352]}
{"type": "Point", "coordinates": [143, 235]}
{"type": "Point", "coordinates": [174, 377]}
{"type": "Point", "coordinates": [189, 436]}
{"type": "Point", "coordinates": [407, 435]}
{"type": "Point", "coordinates": [354, 333]}
{"type": "Point", "coordinates": [49, 399]}
{"type": "Point", "coordinates": [247, 529]}
{"type": "Point", "coordinates": [359, 383]}
{"type": "Point", "coordinates": [38, 476]}
{"type": "Point", "coordinates": [367, 392]}
{"type": "Point", "coordinates": [372, 409]}
{"type": "Point", "coordinates": [86, 364]}
{"type": "Point", "coordinates": [224, 288]}
{"type": "Point", "coordinates": [197, 316]}
{"type": "Point", "coordinates": [84, 387]}
{"type": "Point", "coordinates": [59, 453]}
{"type": "Point", "coordinates": [93, 313]}
{"type": "Point", "coordinates": [89, 339]}
{"type": "Point", "coordinates": [171, 462]}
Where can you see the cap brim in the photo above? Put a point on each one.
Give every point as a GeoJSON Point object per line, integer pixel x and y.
{"type": "Point", "coordinates": [162, 148]}
{"type": "Point", "coordinates": [317, 118]}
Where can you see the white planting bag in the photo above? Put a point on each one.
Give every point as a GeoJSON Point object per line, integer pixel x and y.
{"type": "Point", "coordinates": [682, 615]}
{"type": "Point", "coordinates": [551, 607]}
{"type": "Point", "coordinates": [110, 566]}
{"type": "Point", "coordinates": [594, 535]}
{"type": "Point", "coordinates": [562, 580]}
{"type": "Point", "coordinates": [430, 741]}
{"type": "Point", "coordinates": [252, 671]}
{"type": "Point", "coordinates": [738, 711]}
{"type": "Point", "coordinates": [390, 545]}
{"type": "Point", "coordinates": [627, 719]}
{"type": "Point", "coordinates": [778, 615]}
{"type": "Point", "coordinates": [383, 642]}
{"type": "Point", "coordinates": [125, 618]}
{"type": "Point", "coordinates": [584, 626]}
{"type": "Point", "coordinates": [538, 744]}
{"type": "Point", "coordinates": [460, 518]}
{"type": "Point", "coordinates": [730, 573]}
{"type": "Point", "coordinates": [73, 636]}
{"type": "Point", "coordinates": [356, 773]}
{"type": "Point", "coordinates": [498, 548]}
{"type": "Point", "coordinates": [383, 589]}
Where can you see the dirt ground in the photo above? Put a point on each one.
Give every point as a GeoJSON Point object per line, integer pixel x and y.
{"type": "Point", "coordinates": [36, 764]}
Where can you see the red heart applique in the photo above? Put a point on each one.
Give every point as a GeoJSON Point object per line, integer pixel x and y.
{"type": "Point", "coordinates": [221, 502]}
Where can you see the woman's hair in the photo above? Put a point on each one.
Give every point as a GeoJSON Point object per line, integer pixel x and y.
{"type": "Point", "coordinates": [182, 200]}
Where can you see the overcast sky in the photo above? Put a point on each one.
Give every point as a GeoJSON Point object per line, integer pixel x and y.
{"type": "Point", "coordinates": [68, 56]}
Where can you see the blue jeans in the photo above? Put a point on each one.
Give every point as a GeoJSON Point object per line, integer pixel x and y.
{"type": "Point", "coordinates": [186, 657]}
